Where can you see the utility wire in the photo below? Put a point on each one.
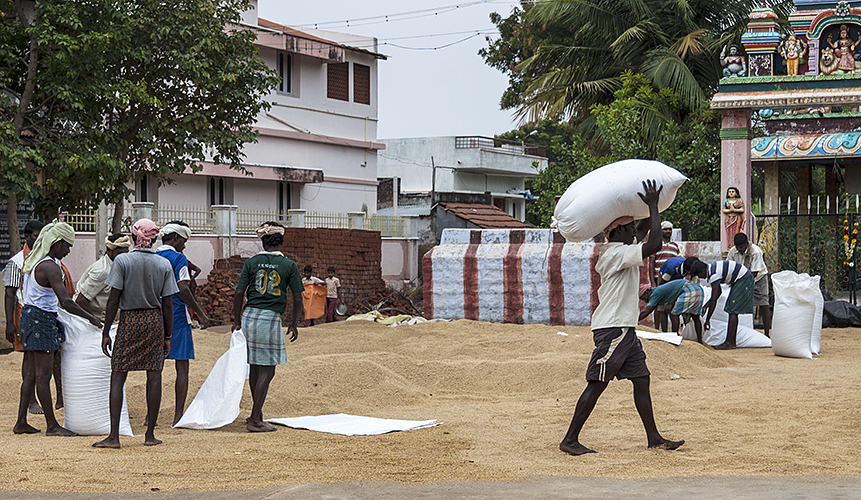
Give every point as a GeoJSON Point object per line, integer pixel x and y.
{"type": "Point", "coordinates": [402, 16]}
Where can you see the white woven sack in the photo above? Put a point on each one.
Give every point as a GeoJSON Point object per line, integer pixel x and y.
{"type": "Point", "coordinates": [217, 402]}
{"type": "Point", "coordinates": [87, 380]}
{"type": "Point", "coordinates": [745, 335]}
{"type": "Point", "coordinates": [797, 315]}
{"type": "Point", "coordinates": [603, 195]}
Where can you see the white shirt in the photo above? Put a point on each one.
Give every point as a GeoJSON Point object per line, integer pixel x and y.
{"type": "Point", "coordinates": [751, 259]}
{"type": "Point", "coordinates": [618, 265]}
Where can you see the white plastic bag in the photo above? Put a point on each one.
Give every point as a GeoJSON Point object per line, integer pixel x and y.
{"type": "Point", "coordinates": [598, 198]}
{"type": "Point", "coordinates": [87, 379]}
{"type": "Point", "coordinates": [217, 402]}
{"type": "Point", "coordinates": [745, 336]}
{"type": "Point", "coordinates": [797, 327]}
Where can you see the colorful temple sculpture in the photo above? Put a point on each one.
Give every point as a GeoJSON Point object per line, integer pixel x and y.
{"type": "Point", "coordinates": [794, 108]}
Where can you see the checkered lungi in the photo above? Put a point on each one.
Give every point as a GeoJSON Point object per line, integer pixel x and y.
{"type": "Point", "coordinates": [264, 337]}
{"type": "Point", "coordinates": [690, 302]}
{"type": "Point", "coordinates": [40, 330]}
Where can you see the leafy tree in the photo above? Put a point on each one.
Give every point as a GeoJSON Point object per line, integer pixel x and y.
{"type": "Point", "coordinates": [129, 88]}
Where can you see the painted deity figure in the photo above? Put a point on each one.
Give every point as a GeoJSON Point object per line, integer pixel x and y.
{"type": "Point", "coordinates": [733, 209]}
{"type": "Point", "coordinates": [733, 64]}
{"type": "Point", "coordinates": [793, 50]}
{"type": "Point", "coordinates": [844, 49]}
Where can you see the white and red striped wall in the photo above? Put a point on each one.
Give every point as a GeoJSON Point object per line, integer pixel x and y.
{"type": "Point", "coordinates": [518, 276]}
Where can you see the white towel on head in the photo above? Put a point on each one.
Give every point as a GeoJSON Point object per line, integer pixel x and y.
{"type": "Point", "coordinates": [183, 231]}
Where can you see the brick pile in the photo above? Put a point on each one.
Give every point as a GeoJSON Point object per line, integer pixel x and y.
{"type": "Point", "coordinates": [356, 255]}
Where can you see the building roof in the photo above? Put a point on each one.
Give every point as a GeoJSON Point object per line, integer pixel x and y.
{"type": "Point", "coordinates": [483, 216]}
{"type": "Point", "coordinates": [307, 36]}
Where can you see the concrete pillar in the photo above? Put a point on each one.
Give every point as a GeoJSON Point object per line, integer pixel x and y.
{"type": "Point", "coordinates": [297, 217]}
{"type": "Point", "coordinates": [735, 162]}
{"type": "Point", "coordinates": [225, 217]}
{"type": "Point", "coordinates": [803, 181]}
{"type": "Point", "coordinates": [395, 193]}
{"type": "Point", "coordinates": [411, 226]}
{"type": "Point", "coordinates": [142, 210]}
{"type": "Point", "coordinates": [357, 220]}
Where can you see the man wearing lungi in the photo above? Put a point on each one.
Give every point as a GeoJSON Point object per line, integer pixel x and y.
{"type": "Point", "coordinates": [92, 292]}
{"type": "Point", "coordinates": [43, 291]}
{"type": "Point", "coordinates": [682, 297]}
{"type": "Point", "coordinates": [740, 300]}
{"type": "Point", "coordinates": [265, 279]}
{"type": "Point", "coordinates": [618, 352]}
{"type": "Point", "coordinates": [142, 286]}
{"type": "Point", "coordinates": [750, 256]}
{"type": "Point", "coordinates": [12, 278]}
{"type": "Point", "coordinates": [174, 235]}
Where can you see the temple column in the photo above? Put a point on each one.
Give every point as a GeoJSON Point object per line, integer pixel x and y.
{"type": "Point", "coordinates": [735, 163]}
{"type": "Point", "coordinates": [767, 238]}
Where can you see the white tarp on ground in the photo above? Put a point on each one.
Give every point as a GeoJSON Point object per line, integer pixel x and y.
{"type": "Point", "coordinates": [87, 379]}
{"type": "Point", "coordinates": [671, 337]}
{"type": "Point", "coordinates": [217, 402]}
{"type": "Point", "coordinates": [352, 425]}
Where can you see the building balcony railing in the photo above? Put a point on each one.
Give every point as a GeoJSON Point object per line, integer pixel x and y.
{"type": "Point", "coordinates": [478, 142]}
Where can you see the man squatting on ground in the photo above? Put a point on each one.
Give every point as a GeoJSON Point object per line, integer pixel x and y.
{"type": "Point", "coordinates": [683, 297]}
{"type": "Point", "coordinates": [142, 287]}
{"type": "Point", "coordinates": [174, 235]}
{"type": "Point", "coordinates": [740, 300]}
{"type": "Point", "coordinates": [265, 279]}
{"type": "Point", "coordinates": [618, 352]}
{"type": "Point", "coordinates": [750, 256]}
{"type": "Point", "coordinates": [93, 293]}
{"type": "Point", "coordinates": [14, 300]}
{"type": "Point", "coordinates": [41, 331]}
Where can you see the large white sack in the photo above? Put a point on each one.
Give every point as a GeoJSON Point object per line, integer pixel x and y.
{"type": "Point", "coordinates": [745, 337]}
{"type": "Point", "coordinates": [217, 402]}
{"type": "Point", "coordinates": [603, 195]}
{"type": "Point", "coordinates": [797, 326]}
{"type": "Point", "coordinates": [87, 379]}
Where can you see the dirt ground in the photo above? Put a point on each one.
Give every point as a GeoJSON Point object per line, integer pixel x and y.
{"type": "Point", "coordinates": [504, 395]}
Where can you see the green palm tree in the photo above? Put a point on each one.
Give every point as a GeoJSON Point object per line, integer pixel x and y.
{"type": "Point", "coordinates": [675, 43]}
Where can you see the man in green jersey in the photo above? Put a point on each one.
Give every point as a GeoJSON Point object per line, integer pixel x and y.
{"type": "Point", "coordinates": [264, 280]}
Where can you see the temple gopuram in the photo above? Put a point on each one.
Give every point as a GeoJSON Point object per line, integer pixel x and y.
{"type": "Point", "coordinates": [790, 111]}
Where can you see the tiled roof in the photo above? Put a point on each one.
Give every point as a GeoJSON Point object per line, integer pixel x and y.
{"type": "Point", "coordinates": [484, 216]}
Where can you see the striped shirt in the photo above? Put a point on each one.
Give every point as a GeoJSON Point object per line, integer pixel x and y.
{"type": "Point", "coordinates": [727, 272]}
{"type": "Point", "coordinates": [669, 249]}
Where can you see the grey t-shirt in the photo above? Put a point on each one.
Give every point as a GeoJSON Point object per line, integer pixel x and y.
{"type": "Point", "coordinates": [144, 277]}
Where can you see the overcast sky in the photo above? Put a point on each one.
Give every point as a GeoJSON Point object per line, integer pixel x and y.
{"type": "Point", "coordinates": [422, 93]}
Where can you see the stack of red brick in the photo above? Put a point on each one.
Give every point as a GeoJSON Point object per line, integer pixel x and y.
{"type": "Point", "coordinates": [355, 254]}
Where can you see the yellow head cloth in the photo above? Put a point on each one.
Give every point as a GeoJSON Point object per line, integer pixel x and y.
{"type": "Point", "coordinates": [50, 234]}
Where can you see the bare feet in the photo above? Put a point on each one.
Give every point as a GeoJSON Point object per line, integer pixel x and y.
{"type": "Point", "coordinates": [725, 346]}
{"type": "Point", "coordinates": [25, 429]}
{"type": "Point", "coordinates": [152, 441]}
{"type": "Point", "coordinates": [59, 403]}
{"type": "Point", "coordinates": [35, 408]}
{"type": "Point", "coordinates": [575, 449]}
{"type": "Point", "coordinates": [108, 443]}
{"type": "Point", "coordinates": [665, 444]}
{"type": "Point", "coordinates": [59, 431]}
{"type": "Point", "coordinates": [259, 427]}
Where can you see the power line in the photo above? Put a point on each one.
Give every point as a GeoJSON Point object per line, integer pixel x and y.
{"type": "Point", "coordinates": [401, 16]}
{"type": "Point", "coordinates": [384, 41]}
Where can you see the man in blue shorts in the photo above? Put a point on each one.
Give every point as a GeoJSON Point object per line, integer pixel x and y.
{"type": "Point", "coordinates": [618, 352]}
{"type": "Point", "coordinates": [265, 279]}
{"type": "Point", "coordinates": [174, 236]}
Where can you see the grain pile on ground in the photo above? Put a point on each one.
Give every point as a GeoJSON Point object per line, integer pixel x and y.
{"type": "Point", "coordinates": [504, 395]}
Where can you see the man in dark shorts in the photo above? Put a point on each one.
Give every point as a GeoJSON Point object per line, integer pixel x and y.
{"type": "Point", "coordinates": [142, 286]}
{"type": "Point", "coordinates": [750, 256]}
{"type": "Point", "coordinates": [266, 278]}
{"type": "Point", "coordinates": [618, 352]}
{"type": "Point", "coordinates": [41, 331]}
{"type": "Point", "coordinates": [740, 300]}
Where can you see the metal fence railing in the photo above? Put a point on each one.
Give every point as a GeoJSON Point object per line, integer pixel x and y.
{"type": "Point", "coordinates": [478, 142]}
{"type": "Point", "coordinates": [248, 219]}
{"type": "Point", "coordinates": [816, 204]}
{"type": "Point", "coordinates": [326, 219]}
{"type": "Point", "coordinates": [389, 226]}
{"type": "Point", "coordinates": [199, 219]}
{"type": "Point", "coordinates": [83, 221]}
